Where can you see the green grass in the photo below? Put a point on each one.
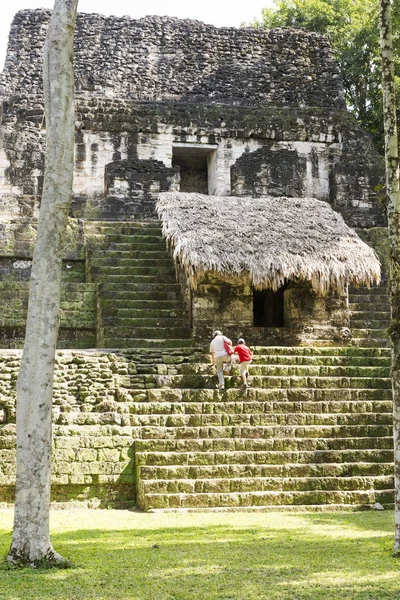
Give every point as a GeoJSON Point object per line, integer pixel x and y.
{"type": "Point", "coordinates": [123, 555]}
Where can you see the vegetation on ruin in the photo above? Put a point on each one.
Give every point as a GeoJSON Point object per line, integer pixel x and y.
{"type": "Point", "coordinates": [211, 556]}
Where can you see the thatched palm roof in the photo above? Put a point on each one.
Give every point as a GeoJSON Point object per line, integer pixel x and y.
{"type": "Point", "coordinates": [267, 240]}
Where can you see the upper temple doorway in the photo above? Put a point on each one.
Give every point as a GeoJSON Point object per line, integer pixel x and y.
{"type": "Point", "coordinates": [196, 163]}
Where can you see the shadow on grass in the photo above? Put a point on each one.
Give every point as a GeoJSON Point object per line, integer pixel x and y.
{"type": "Point", "coordinates": [311, 557]}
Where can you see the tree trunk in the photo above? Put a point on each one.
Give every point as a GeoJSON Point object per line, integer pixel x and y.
{"type": "Point", "coordinates": [392, 184]}
{"type": "Point", "coordinates": [31, 538]}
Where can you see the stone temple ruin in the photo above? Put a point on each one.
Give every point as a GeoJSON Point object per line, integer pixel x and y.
{"type": "Point", "coordinates": [219, 182]}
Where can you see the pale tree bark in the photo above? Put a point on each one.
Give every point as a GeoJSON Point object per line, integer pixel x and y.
{"type": "Point", "coordinates": [31, 536]}
{"type": "Point", "coordinates": [393, 192]}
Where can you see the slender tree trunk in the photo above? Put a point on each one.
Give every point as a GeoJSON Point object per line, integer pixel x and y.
{"type": "Point", "coordinates": [31, 538]}
{"type": "Point", "coordinates": [392, 184]}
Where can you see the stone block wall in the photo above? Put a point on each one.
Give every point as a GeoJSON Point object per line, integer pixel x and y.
{"type": "Point", "coordinates": [131, 188]}
{"type": "Point", "coordinates": [163, 58]}
{"type": "Point", "coordinates": [79, 297]}
{"type": "Point", "coordinates": [220, 303]}
{"type": "Point", "coordinates": [92, 431]}
{"type": "Point", "coordinates": [321, 152]}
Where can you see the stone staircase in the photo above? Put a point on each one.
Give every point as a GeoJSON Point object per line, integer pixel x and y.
{"type": "Point", "coordinates": [369, 316]}
{"type": "Point", "coordinates": [139, 299]}
{"type": "Point", "coordinates": [313, 431]}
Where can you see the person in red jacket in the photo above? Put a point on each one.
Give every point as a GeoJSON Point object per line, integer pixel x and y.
{"type": "Point", "coordinates": [245, 357]}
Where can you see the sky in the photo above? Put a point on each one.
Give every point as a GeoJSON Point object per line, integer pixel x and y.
{"type": "Point", "coordinates": [221, 13]}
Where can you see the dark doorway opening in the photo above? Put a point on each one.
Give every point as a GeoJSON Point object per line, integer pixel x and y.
{"type": "Point", "coordinates": [193, 163]}
{"type": "Point", "coordinates": [268, 308]}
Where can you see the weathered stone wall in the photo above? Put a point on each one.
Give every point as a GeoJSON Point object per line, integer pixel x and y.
{"type": "Point", "coordinates": [309, 318]}
{"type": "Point", "coordinates": [92, 429]}
{"type": "Point", "coordinates": [321, 154]}
{"type": "Point", "coordinates": [348, 174]}
{"type": "Point", "coordinates": [79, 297]}
{"type": "Point", "coordinates": [163, 58]}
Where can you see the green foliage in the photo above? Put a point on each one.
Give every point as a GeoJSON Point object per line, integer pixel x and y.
{"type": "Point", "coordinates": [211, 556]}
{"type": "Point", "coordinates": [353, 29]}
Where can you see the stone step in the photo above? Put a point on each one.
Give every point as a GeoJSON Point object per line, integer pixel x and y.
{"type": "Point", "coordinates": [112, 289]}
{"type": "Point", "coordinates": [271, 396]}
{"type": "Point", "coordinates": [130, 253]}
{"type": "Point", "coordinates": [266, 499]}
{"type": "Point", "coordinates": [133, 238]}
{"type": "Point", "coordinates": [333, 453]}
{"type": "Point", "coordinates": [352, 361]}
{"type": "Point", "coordinates": [227, 485]}
{"type": "Point", "coordinates": [155, 419]}
{"type": "Point", "coordinates": [257, 381]}
{"type": "Point", "coordinates": [241, 471]}
{"type": "Point", "coordinates": [124, 303]}
{"type": "Point", "coordinates": [125, 274]}
{"type": "Point", "coordinates": [374, 334]}
{"type": "Point", "coordinates": [320, 351]}
{"type": "Point", "coordinates": [371, 342]}
{"type": "Point", "coordinates": [290, 433]}
{"type": "Point", "coordinates": [375, 314]}
{"type": "Point", "coordinates": [265, 370]}
{"type": "Point", "coordinates": [223, 451]}
{"type": "Point", "coordinates": [107, 262]}
{"type": "Point", "coordinates": [372, 291]}
{"type": "Point", "coordinates": [128, 326]}
{"type": "Point", "coordinates": [291, 360]}
{"type": "Point", "coordinates": [113, 343]}
{"type": "Point", "coordinates": [121, 227]}
{"type": "Point", "coordinates": [368, 306]}
{"type": "Point", "coordinates": [366, 322]}
{"type": "Point", "coordinates": [121, 313]}
{"type": "Point", "coordinates": [253, 409]}
{"type": "Point", "coordinates": [137, 246]}
{"type": "Point", "coordinates": [145, 333]}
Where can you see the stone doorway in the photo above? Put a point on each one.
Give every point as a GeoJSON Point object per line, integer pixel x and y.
{"type": "Point", "coordinates": [194, 161]}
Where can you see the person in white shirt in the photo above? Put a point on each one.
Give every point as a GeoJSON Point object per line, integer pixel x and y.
{"type": "Point", "coordinates": [219, 356]}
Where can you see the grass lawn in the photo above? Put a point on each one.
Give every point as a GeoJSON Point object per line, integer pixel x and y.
{"type": "Point", "coordinates": [124, 555]}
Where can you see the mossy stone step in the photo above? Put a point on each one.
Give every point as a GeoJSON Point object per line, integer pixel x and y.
{"type": "Point", "coordinates": [295, 360]}
{"type": "Point", "coordinates": [344, 455]}
{"type": "Point", "coordinates": [266, 499]}
{"type": "Point", "coordinates": [122, 313]}
{"type": "Point", "coordinates": [367, 333]}
{"type": "Point", "coordinates": [290, 433]}
{"type": "Point", "coordinates": [132, 287]}
{"type": "Point", "coordinates": [121, 303]}
{"type": "Point", "coordinates": [353, 361]}
{"type": "Point", "coordinates": [318, 351]}
{"type": "Point", "coordinates": [146, 333]}
{"type": "Point", "coordinates": [369, 307]}
{"type": "Point", "coordinates": [259, 381]}
{"type": "Point", "coordinates": [145, 342]}
{"type": "Point", "coordinates": [121, 227]}
{"type": "Point", "coordinates": [132, 238]}
{"type": "Point", "coordinates": [156, 273]}
{"type": "Point", "coordinates": [380, 324]}
{"type": "Point", "coordinates": [383, 408]}
{"type": "Point", "coordinates": [144, 246]}
{"type": "Point", "coordinates": [265, 484]}
{"type": "Point", "coordinates": [371, 342]}
{"type": "Point", "coordinates": [107, 262]}
{"type": "Point", "coordinates": [265, 395]}
{"type": "Point", "coordinates": [131, 253]}
{"type": "Point", "coordinates": [171, 472]}
{"type": "Point", "coordinates": [231, 451]}
{"type": "Point", "coordinates": [270, 418]}
{"type": "Point", "coordinates": [192, 368]}
{"type": "Point", "coordinates": [380, 290]}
